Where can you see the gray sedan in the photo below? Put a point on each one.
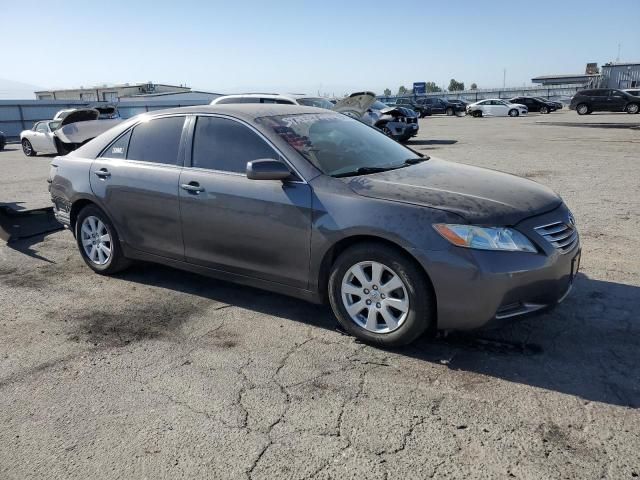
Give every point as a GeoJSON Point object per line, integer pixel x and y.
{"type": "Point", "coordinates": [311, 203]}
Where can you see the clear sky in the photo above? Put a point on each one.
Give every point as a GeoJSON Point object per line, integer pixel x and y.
{"type": "Point", "coordinates": [308, 46]}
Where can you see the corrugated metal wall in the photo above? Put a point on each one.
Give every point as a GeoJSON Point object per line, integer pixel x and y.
{"type": "Point", "coordinates": [621, 76]}
{"type": "Point", "coordinates": [18, 115]}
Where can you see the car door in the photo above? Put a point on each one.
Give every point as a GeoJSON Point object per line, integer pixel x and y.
{"type": "Point", "coordinates": [600, 100]}
{"type": "Point", "coordinates": [616, 100]}
{"type": "Point", "coordinates": [256, 228]}
{"type": "Point", "coordinates": [499, 108]}
{"type": "Point", "coordinates": [136, 181]}
{"type": "Point", "coordinates": [39, 140]}
{"type": "Point", "coordinates": [439, 106]}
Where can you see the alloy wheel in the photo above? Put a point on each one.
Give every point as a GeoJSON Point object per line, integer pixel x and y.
{"type": "Point", "coordinates": [96, 240]}
{"type": "Point", "coordinates": [27, 148]}
{"type": "Point", "coordinates": [582, 109]}
{"type": "Point", "coordinates": [375, 297]}
{"type": "Point", "coordinates": [633, 108]}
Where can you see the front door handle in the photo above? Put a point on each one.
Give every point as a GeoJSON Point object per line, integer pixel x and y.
{"type": "Point", "coordinates": [192, 187]}
{"type": "Point", "coordinates": [102, 173]}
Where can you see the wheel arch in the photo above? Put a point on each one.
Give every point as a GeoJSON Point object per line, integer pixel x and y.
{"type": "Point", "coordinates": [80, 203]}
{"type": "Point", "coordinates": [343, 244]}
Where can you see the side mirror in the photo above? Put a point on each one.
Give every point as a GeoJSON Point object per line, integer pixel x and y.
{"type": "Point", "coordinates": [267, 169]}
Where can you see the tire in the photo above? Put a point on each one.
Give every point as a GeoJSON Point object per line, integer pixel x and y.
{"type": "Point", "coordinates": [387, 131]}
{"type": "Point", "coordinates": [413, 292]}
{"type": "Point", "coordinates": [27, 148]}
{"type": "Point", "coordinates": [513, 112]}
{"type": "Point", "coordinates": [583, 109]}
{"type": "Point", "coordinates": [91, 216]}
{"type": "Point", "coordinates": [632, 108]}
{"type": "Point", "coordinates": [450, 112]}
{"type": "Point", "coordinates": [477, 114]}
{"type": "Point", "coordinates": [544, 110]}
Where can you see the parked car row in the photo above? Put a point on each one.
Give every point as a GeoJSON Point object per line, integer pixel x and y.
{"type": "Point", "coordinates": [396, 121]}
{"type": "Point", "coordinates": [3, 140]}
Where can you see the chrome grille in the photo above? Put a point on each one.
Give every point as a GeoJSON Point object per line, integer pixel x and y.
{"type": "Point", "coordinates": [561, 235]}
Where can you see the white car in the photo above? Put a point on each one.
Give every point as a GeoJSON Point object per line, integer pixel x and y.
{"type": "Point", "coordinates": [40, 139]}
{"type": "Point", "coordinates": [495, 107]}
{"type": "Point", "coordinates": [287, 99]}
{"type": "Point", "coordinates": [68, 130]}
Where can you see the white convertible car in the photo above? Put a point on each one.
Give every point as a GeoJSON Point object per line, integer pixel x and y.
{"type": "Point", "coordinates": [68, 130]}
{"type": "Point", "coordinates": [495, 107]}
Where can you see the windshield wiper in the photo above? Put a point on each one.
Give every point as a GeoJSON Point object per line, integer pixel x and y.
{"type": "Point", "coordinates": [366, 171]}
{"type": "Point", "coordinates": [413, 161]}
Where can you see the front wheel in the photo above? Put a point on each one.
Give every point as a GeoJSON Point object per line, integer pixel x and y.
{"type": "Point", "coordinates": [380, 296]}
{"type": "Point", "coordinates": [513, 112]}
{"type": "Point", "coordinates": [27, 148]}
{"type": "Point", "coordinates": [98, 242]}
{"type": "Point", "coordinates": [633, 108]}
{"type": "Point", "coordinates": [476, 114]}
{"type": "Point", "coordinates": [544, 110]}
{"type": "Point", "coordinates": [582, 109]}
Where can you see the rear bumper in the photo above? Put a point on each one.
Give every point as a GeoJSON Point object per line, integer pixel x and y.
{"type": "Point", "coordinates": [477, 287]}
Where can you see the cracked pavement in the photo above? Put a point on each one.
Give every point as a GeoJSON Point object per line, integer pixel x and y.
{"type": "Point", "coordinates": [156, 373]}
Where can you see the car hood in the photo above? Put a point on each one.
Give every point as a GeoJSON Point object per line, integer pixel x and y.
{"type": "Point", "coordinates": [78, 115]}
{"type": "Point", "coordinates": [480, 196]}
{"type": "Point", "coordinates": [356, 104]}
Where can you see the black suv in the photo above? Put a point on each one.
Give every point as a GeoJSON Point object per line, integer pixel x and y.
{"type": "Point", "coordinates": [604, 100]}
{"type": "Point", "coordinates": [535, 104]}
{"type": "Point", "coordinates": [433, 105]}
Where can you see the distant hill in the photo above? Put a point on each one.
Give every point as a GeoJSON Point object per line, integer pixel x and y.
{"type": "Point", "coordinates": [11, 90]}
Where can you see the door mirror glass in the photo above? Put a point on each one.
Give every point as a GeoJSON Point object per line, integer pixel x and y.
{"type": "Point", "coordinates": [267, 169]}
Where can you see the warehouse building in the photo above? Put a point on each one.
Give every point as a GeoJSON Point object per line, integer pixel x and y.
{"type": "Point", "coordinates": [611, 75]}
{"type": "Point", "coordinates": [109, 93]}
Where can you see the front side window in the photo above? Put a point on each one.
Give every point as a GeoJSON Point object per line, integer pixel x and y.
{"type": "Point", "coordinates": [156, 140]}
{"type": "Point", "coordinates": [41, 127]}
{"type": "Point", "coordinates": [227, 145]}
{"type": "Point", "coordinates": [338, 145]}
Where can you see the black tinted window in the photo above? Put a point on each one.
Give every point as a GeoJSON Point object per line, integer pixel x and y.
{"type": "Point", "coordinates": [156, 141]}
{"type": "Point", "coordinates": [118, 149]}
{"type": "Point", "coordinates": [221, 144]}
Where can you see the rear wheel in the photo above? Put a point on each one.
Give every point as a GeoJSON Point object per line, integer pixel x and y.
{"type": "Point", "coordinates": [632, 108]}
{"type": "Point", "coordinates": [582, 109]}
{"type": "Point", "coordinates": [380, 296]}
{"type": "Point", "coordinates": [98, 242]}
{"type": "Point", "coordinates": [27, 148]}
{"type": "Point", "coordinates": [450, 111]}
{"type": "Point", "coordinates": [513, 112]}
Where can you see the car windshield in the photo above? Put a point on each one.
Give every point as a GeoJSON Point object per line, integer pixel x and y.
{"type": "Point", "coordinates": [316, 102]}
{"type": "Point", "coordinates": [338, 145]}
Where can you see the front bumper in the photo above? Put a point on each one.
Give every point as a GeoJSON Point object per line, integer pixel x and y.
{"type": "Point", "coordinates": [401, 130]}
{"type": "Point", "coordinates": [476, 287]}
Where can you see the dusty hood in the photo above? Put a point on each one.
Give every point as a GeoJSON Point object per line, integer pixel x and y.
{"type": "Point", "coordinates": [80, 115]}
{"type": "Point", "coordinates": [480, 196]}
{"type": "Point", "coordinates": [356, 104]}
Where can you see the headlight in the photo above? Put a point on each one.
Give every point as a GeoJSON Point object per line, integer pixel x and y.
{"type": "Point", "coordinates": [485, 238]}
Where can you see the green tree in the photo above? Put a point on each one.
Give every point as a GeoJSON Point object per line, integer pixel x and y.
{"type": "Point", "coordinates": [432, 87]}
{"type": "Point", "coordinates": [387, 92]}
{"type": "Point", "coordinates": [402, 90]}
{"type": "Point", "coordinates": [455, 85]}
{"type": "Point", "coordinates": [474, 86]}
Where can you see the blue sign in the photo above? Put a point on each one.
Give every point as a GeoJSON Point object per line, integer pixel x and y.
{"type": "Point", "coordinates": [419, 88]}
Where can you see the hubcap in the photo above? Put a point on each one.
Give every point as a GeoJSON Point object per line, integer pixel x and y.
{"type": "Point", "coordinates": [633, 108]}
{"type": "Point", "coordinates": [26, 147]}
{"type": "Point", "coordinates": [582, 109]}
{"type": "Point", "coordinates": [96, 240]}
{"type": "Point", "coordinates": [375, 297]}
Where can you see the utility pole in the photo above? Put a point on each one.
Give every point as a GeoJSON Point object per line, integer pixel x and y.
{"type": "Point", "coordinates": [504, 78]}
{"type": "Point", "coordinates": [618, 57]}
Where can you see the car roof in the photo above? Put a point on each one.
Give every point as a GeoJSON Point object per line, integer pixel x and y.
{"type": "Point", "coordinates": [247, 112]}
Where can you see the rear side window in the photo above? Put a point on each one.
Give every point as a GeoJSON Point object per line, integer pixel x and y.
{"type": "Point", "coordinates": [222, 144]}
{"type": "Point", "coordinates": [118, 149]}
{"type": "Point", "coordinates": [156, 141]}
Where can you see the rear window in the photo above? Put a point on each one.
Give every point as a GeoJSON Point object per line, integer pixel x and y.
{"type": "Point", "coordinates": [156, 141]}
{"type": "Point", "coordinates": [118, 149]}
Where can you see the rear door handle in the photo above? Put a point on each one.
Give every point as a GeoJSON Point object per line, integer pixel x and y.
{"type": "Point", "coordinates": [192, 187]}
{"type": "Point", "coordinates": [102, 173]}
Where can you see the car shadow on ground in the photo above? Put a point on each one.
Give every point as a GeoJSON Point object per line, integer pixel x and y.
{"type": "Point", "coordinates": [588, 347]}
